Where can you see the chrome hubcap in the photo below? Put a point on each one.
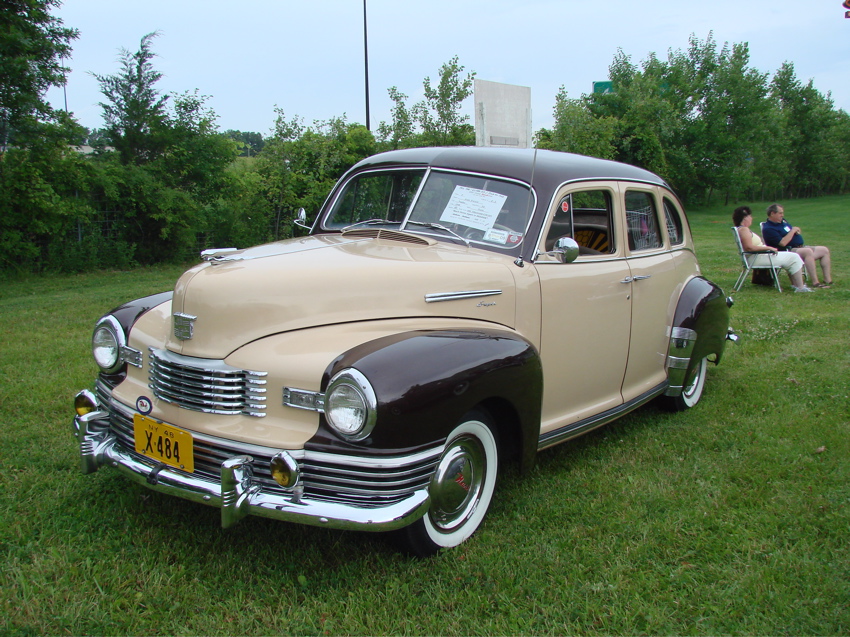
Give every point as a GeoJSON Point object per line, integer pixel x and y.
{"type": "Point", "coordinates": [456, 484]}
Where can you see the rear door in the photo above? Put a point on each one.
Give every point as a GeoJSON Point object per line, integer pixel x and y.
{"type": "Point", "coordinates": [655, 286]}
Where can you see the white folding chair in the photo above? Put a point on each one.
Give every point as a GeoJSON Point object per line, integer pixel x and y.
{"type": "Point", "coordinates": [748, 267]}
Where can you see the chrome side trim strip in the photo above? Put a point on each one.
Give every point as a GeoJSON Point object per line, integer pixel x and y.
{"type": "Point", "coordinates": [583, 426]}
{"type": "Point", "coordinates": [437, 297]}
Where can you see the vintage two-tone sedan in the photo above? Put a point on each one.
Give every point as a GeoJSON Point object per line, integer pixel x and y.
{"type": "Point", "coordinates": [451, 309]}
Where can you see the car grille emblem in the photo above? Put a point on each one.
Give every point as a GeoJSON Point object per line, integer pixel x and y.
{"type": "Point", "coordinates": [184, 326]}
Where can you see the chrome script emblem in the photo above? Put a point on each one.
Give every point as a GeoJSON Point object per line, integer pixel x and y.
{"type": "Point", "coordinates": [184, 326]}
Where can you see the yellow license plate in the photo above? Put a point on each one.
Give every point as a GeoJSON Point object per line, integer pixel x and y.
{"type": "Point", "coordinates": [165, 443]}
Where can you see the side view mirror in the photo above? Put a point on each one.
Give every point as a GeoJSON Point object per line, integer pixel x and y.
{"type": "Point", "coordinates": [301, 219]}
{"type": "Point", "coordinates": [566, 250]}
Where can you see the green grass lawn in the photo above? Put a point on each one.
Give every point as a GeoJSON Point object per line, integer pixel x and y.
{"type": "Point", "coordinates": [732, 518]}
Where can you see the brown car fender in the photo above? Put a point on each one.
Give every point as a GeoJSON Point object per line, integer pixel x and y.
{"type": "Point", "coordinates": [128, 313]}
{"type": "Point", "coordinates": [425, 381]}
{"type": "Point", "coordinates": [702, 310]}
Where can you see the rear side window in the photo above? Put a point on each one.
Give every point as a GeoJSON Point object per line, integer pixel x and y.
{"type": "Point", "coordinates": [642, 221]}
{"type": "Point", "coordinates": [674, 223]}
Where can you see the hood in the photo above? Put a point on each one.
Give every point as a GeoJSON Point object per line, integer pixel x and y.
{"type": "Point", "coordinates": [332, 279]}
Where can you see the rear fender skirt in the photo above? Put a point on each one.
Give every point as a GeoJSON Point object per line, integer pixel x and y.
{"type": "Point", "coordinates": [700, 326]}
{"type": "Point", "coordinates": [425, 381]}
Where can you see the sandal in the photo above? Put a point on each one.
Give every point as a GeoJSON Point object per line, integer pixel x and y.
{"type": "Point", "coordinates": [822, 285]}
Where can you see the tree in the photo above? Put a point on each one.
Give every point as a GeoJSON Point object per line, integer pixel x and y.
{"type": "Point", "coordinates": [172, 162]}
{"type": "Point", "coordinates": [250, 144]}
{"type": "Point", "coordinates": [32, 45]}
{"type": "Point", "coordinates": [400, 132]}
{"type": "Point", "coordinates": [135, 111]}
{"type": "Point", "coordinates": [436, 120]}
{"type": "Point", "coordinates": [576, 130]}
{"type": "Point", "coordinates": [300, 164]}
{"type": "Point", "coordinates": [39, 173]}
{"type": "Point", "coordinates": [439, 115]}
{"type": "Point", "coordinates": [813, 129]}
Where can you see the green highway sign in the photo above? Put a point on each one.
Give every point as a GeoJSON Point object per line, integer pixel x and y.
{"type": "Point", "coordinates": [603, 87]}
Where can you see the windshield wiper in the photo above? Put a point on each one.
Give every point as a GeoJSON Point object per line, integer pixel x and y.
{"type": "Point", "coordinates": [438, 226]}
{"type": "Point", "coordinates": [371, 222]}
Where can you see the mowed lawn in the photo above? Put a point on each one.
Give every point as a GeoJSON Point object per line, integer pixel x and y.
{"type": "Point", "coordinates": [732, 518]}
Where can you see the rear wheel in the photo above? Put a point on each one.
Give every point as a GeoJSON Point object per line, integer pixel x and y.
{"type": "Point", "coordinates": [692, 392]}
{"type": "Point", "coordinates": [461, 488]}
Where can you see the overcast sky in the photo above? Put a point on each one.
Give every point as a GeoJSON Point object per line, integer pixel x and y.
{"type": "Point", "coordinates": [306, 57]}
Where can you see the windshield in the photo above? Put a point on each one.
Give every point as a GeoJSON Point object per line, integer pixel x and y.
{"type": "Point", "coordinates": [446, 205]}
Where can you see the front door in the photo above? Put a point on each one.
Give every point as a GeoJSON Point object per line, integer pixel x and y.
{"type": "Point", "coordinates": [585, 309]}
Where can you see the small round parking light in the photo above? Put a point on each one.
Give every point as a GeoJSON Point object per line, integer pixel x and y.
{"type": "Point", "coordinates": [85, 403]}
{"type": "Point", "coordinates": [284, 470]}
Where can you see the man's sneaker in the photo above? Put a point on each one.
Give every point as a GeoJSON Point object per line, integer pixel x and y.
{"type": "Point", "coordinates": [805, 288]}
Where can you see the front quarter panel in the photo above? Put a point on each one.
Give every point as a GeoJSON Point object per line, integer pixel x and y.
{"type": "Point", "coordinates": [425, 381]}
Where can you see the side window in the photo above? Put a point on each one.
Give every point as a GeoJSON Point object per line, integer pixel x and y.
{"type": "Point", "coordinates": [674, 223]}
{"type": "Point", "coordinates": [642, 221]}
{"type": "Point", "coordinates": [586, 217]}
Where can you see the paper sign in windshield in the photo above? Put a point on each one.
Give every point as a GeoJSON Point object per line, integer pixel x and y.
{"type": "Point", "coordinates": [473, 208]}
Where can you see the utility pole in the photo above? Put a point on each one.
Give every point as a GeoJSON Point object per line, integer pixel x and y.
{"type": "Point", "coordinates": [366, 63]}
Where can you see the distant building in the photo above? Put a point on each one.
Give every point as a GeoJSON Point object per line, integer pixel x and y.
{"type": "Point", "coordinates": [502, 115]}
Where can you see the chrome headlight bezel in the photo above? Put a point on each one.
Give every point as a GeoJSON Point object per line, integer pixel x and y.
{"type": "Point", "coordinates": [351, 407]}
{"type": "Point", "coordinates": [107, 341]}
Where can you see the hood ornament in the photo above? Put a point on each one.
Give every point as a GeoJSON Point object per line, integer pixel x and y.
{"type": "Point", "coordinates": [184, 326]}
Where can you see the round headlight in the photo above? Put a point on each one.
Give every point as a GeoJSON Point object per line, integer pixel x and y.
{"type": "Point", "coordinates": [350, 404]}
{"type": "Point", "coordinates": [106, 343]}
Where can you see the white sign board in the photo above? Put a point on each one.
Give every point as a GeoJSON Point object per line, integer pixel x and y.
{"type": "Point", "coordinates": [502, 115]}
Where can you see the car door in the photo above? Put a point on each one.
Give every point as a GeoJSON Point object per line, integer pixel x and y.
{"type": "Point", "coordinates": [586, 307]}
{"type": "Point", "coordinates": [655, 285]}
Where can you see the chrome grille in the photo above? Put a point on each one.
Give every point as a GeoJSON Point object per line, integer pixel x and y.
{"type": "Point", "coordinates": [209, 386]}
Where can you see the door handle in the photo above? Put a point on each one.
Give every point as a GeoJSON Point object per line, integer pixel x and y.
{"type": "Point", "coordinates": [642, 277]}
{"type": "Point", "coordinates": [628, 279]}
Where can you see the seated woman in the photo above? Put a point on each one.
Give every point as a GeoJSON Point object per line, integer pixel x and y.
{"type": "Point", "coordinates": [751, 242]}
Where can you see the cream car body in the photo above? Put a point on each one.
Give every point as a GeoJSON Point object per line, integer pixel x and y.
{"type": "Point", "coordinates": [450, 309]}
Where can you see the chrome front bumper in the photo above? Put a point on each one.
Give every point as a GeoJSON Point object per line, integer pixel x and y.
{"type": "Point", "coordinates": [236, 494]}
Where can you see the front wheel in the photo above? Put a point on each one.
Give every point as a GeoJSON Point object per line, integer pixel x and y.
{"type": "Point", "coordinates": [692, 392]}
{"type": "Point", "coordinates": [461, 488]}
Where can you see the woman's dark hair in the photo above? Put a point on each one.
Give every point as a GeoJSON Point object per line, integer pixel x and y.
{"type": "Point", "coordinates": [739, 214]}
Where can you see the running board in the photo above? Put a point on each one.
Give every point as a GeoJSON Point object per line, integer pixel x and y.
{"type": "Point", "coordinates": [552, 438]}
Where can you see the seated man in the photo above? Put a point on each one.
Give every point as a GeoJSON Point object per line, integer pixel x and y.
{"type": "Point", "coordinates": [782, 235]}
